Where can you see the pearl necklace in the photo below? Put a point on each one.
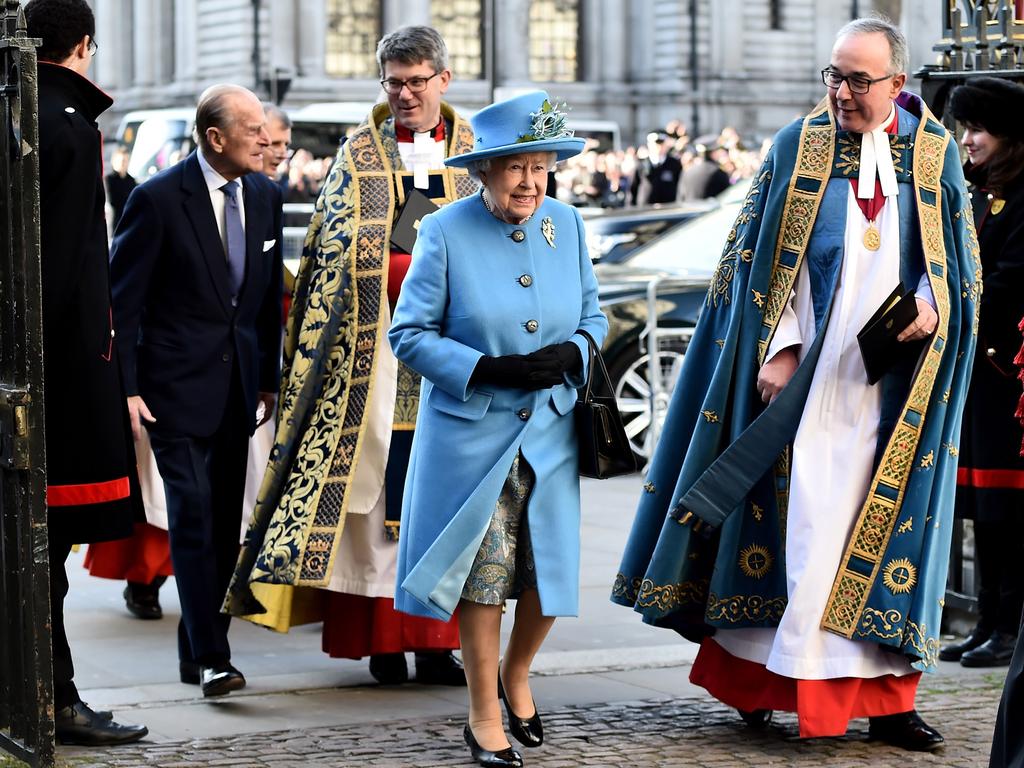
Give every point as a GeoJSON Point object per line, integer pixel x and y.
{"type": "Point", "coordinates": [487, 205]}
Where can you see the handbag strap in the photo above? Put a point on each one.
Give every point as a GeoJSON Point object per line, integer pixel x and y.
{"type": "Point", "coordinates": [594, 356]}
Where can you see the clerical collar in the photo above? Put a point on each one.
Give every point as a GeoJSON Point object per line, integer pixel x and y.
{"type": "Point", "coordinates": [876, 160]}
{"type": "Point", "coordinates": [405, 135]}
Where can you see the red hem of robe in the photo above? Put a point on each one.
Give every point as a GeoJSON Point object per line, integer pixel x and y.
{"type": "Point", "coordinates": [823, 707]}
{"type": "Point", "coordinates": [357, 626]}
{"type": "Point", "coordinates": [139, 558]}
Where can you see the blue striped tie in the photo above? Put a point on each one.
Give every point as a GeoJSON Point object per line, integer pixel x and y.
{"type": "Point", "coordinates": [235, 236]}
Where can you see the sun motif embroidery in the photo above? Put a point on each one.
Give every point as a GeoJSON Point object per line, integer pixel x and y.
{"type": "Point", "coordinates": [899, 576]}
{"type": "Point", "coordinates": [755, 561]}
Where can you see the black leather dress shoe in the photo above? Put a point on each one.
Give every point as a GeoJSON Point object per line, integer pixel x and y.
{"type": "Point", "coordinates": [78, 724]}
{"type": "Point", "coordinates": [529, 731]}
{"type": "Point", "coordinates": [756, 718]}
{"type": "Point", "coordinates": [143, 601]}
{"type": "Point", "coordinates": [389, 668]}
{"type": "Point", "coordinates": [906, 730]}
{"type": "Point", "coordinates": [994, 652]}
{"type": "Point", "coordinates": [220, 679]}
{"type": "Point", "coordinates": [954, 651]}
{"type": "Point", "coordinates": [188, 672]}
{"type": "Point", "coordinates": [440, 668]}
{"type": "Point", "coordinates": [504, 758]}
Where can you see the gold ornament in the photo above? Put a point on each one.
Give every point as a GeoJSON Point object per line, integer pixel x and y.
{"type": "Point", "coordinates": [899, 576]}
{"type": "Point", "coordinates": [997, 206]}
{"type": "Point", "coordinates": [872, 238]}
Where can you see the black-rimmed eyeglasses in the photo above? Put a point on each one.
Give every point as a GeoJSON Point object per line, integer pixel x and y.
{"type": "Point", "coordinates": [92, 46]}
{"type": "Point", "coordinates": [415, 84]}
{"type": "Point", "coordinates": [856, 83]}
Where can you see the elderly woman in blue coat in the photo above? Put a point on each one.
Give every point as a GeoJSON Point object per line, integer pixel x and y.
{"type": "Point", "coordinates": [490, 314]}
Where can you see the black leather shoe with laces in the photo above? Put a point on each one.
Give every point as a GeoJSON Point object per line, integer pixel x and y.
{"type": "Point", "coordinates": [994, 652]}
{"type": "Point", "coordinates": [143, 601]}
{"type": "Point", "coordinates": [78, 724]}
{"type": "Point", "coordinates": [529, 731]}
{"type": "Point", "coordinates": [906, 730]}
{"type": "Point", "coordinates": [441, 668]}
{"type": "Point", "coordinates": [503, 758]}
{"type": "Point", "coordinates": [756, 718]}
{"type": "Point", "coordinates": [389, 668]}
{"type": "Point", "coordinates": [954, 651]}
{"type": "Point", "coordinates": [220, 679]}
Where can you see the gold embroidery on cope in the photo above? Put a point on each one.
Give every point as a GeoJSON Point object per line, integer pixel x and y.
{"type": "Point", "coordinates": [877, 520]}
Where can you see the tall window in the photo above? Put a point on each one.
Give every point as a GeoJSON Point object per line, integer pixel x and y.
{"type": "Point", "coordinates": [775, 14]}
{"type": "Point", "coordinates": [554, 40]}
{"type": "Point", "coordinates": [353, 29]}
{"type": "Point", "coordinates": [460, 23]}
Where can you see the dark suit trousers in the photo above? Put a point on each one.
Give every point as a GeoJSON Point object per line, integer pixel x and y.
{"type": "Point", "coordinates": [204, 481]}
{"type": "Point", "coordinates": [64, 691]}
{"type": "Point", "coordinates": [999, 551]}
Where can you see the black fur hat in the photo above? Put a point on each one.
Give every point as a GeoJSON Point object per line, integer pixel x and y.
{"type": "Point", "coordinates": [993, 103]}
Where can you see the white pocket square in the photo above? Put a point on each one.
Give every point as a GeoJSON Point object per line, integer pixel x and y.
{"type": "Point", "coordinates": [268, 244]}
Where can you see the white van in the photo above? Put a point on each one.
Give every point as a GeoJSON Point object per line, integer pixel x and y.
{"type": "Point", "coordinates": [158, 138]}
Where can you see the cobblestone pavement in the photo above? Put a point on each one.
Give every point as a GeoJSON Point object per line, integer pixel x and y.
{"type": "Point", "coordinates": [694, 732]}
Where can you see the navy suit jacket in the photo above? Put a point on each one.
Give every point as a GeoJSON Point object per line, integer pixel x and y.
{"type": "Point", "coordinates": [179, 335]}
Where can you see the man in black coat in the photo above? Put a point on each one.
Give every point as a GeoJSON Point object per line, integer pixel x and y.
{"type": "Point", "coordinates": [92, 490]}
{"type": "Point", "coordinates": [196, 270]}
{"type": "Point", "coordinates": [657, 176]}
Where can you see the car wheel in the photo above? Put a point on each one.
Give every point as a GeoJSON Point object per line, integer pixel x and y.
{"type": "Point", "coordinates": [630, 375]}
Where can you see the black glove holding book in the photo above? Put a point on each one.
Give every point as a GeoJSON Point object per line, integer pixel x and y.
{"type": "Point", "coordinates": [538, 370]}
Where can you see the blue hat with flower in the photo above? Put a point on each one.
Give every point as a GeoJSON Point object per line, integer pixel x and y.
{"type": "Point", "coordinates": [527, 123]}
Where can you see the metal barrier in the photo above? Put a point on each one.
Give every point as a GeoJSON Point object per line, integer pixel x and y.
{"type": "Point", "coordinates": [659, 383]}
{"type": "Point", "coordinates": [26, 676]}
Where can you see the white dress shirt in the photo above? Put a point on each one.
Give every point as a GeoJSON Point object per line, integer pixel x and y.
{"type": "Point", "coordinates": [214, 182]}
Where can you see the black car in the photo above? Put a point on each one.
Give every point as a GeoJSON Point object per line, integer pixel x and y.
{"type": "Point", "coordinates": [682, 260]}
{"type": "Point", "coordinates": [613, 234]}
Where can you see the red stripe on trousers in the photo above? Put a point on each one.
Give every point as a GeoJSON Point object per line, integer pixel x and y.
{"type": "Point", "coordinates": [87, 493]}
{"type": "Point", "coordinates": [990, 478]}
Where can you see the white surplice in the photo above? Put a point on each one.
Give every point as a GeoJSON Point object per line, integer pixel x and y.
{"type": "Point", "coordinates": [831, 468]}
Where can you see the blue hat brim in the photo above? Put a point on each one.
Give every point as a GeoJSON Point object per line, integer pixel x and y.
{"type": "Point", "coordinates": [564, 148]}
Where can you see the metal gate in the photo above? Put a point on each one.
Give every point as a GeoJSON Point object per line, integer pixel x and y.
{"type": "Point", "coordinates": [26, 676]}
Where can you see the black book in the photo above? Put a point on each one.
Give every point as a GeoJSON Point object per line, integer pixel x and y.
{"type": "Point", "coordinates": [877, 339]}
{"type": "Point", "coordinates": [403, 233]}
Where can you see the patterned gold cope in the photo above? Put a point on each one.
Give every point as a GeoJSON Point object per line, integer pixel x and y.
{"type": "Point", "coordinates": [335, 330]}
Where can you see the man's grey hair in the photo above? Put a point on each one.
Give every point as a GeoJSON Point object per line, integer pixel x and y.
{"type": "Point", "coordinates": [483, 165]}
{"type": "Point", "coordinates": [275, 113]}
{"type": "Point", "coordinates": [899, 56]}
{"type": "Point", "coordinates": [214, 109]}
{"type": "Point", "coordinates": [411, 45]}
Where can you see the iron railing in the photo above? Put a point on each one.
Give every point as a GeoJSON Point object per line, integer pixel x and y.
{"type": "Point", "coordinates": [26, 675]}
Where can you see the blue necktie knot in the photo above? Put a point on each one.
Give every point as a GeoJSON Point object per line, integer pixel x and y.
{"type": "Point", "coordinates": [231, 191]}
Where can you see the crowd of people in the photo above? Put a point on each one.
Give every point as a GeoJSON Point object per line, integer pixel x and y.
{"type": "Point", "coordinates": [796, 518]}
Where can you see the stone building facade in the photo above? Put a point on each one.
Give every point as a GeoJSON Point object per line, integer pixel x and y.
{"type": "Point", "coordinates": [750, 63]}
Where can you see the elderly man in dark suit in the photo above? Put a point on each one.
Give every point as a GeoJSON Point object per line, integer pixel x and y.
{"type": "Point", "coordinates": [196, 271]}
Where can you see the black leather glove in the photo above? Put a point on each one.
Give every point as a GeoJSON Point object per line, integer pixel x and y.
{"type": "Point", "coordinates": [565, 357]}
{"type": "Point", "coordinates": [538, 370]}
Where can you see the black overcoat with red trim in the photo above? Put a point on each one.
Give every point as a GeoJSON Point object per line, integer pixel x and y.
{"type": "Point", "coordinates": [990, 481]}
{"type": "Point", "coordinates": [90, 460]}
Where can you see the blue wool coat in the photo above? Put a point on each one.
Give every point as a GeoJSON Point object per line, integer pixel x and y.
{"type": "Point", "coordinates": [473, 290]}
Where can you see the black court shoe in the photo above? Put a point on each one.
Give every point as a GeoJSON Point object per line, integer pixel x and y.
{"type": "Point", "coordinates": [529, 731]}
{"type": "Point", "coordinates": [503, 758]}
{"type": "Point", "coordinates": [389, 668]}
{"type": "Point", "coordinates": [906, 730]}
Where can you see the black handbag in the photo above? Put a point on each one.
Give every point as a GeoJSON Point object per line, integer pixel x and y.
{"type": "Point", "coordinates": [604, 448]}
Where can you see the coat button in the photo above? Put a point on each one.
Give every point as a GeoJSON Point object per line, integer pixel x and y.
{"type": "Point", "coordinates": [225, 357]}
{"type": "Point", "coordinates": [112, 334]}
{"type": "Point", "coordinates": [532, 326]}
{"type": "Point", "coordinates": [991, 351]}
{"type": "Point", "coordinates": [525, 280]}
{"type": "Point", "coordinates": [518, 235]}
{"type": "Point", "coordinates": [524, 414]}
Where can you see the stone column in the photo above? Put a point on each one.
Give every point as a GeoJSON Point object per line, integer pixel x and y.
{"type": "Point", "coordinates": [145, 42]}
{"type": "Point", "coordinates": [284, 37]}
{"type": "Point", "coordinates": [312, 36]}
{"type": "Point", "coordinates": [398, 13]}
{"type": "Point", "coordinates": [512, 43]}
{"type": "Point", "coordinates": [112, 66]}
{"type": "Point", "coordinates": [186, 31]}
